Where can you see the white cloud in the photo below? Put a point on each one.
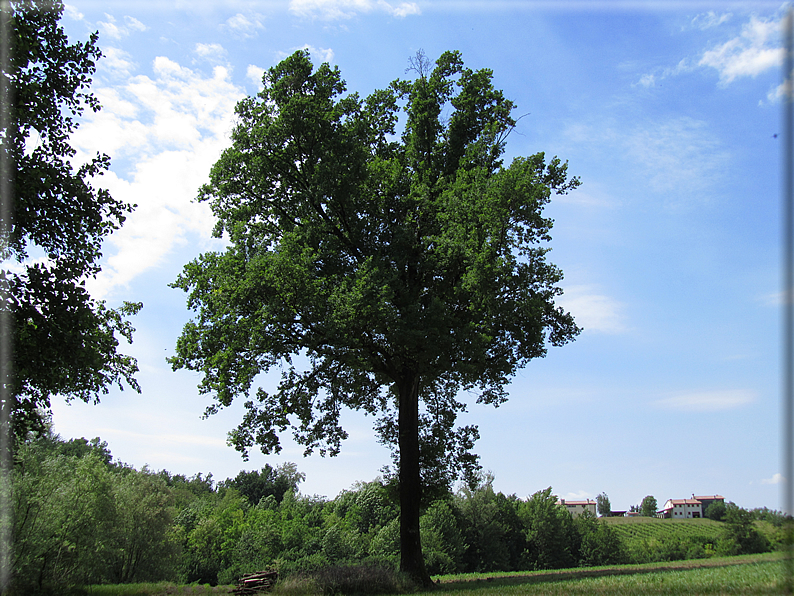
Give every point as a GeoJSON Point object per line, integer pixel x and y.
{"type": "Point", "coordinates": [254, 74]}
{"type": "Point", "coordinates": [244, 26]}
{"type": "Point", "coordinates": [115, 62]}
{"type": "Point", "coordinates": [72, 12]}
{"type": "Point", "coordinates": [710, 19]}
{"type": "Point", "coordinates": [210, 51]}
{"type": "Point", "coordinates": [345, 9]}
{"type": "Point", "coordinates": [134, 24]}
{"type": "Point", "coordinates": [708, 401]}
{"type": "Point", "coordinates": [776, 479]}
{"type": "Point", "coordinates": [319, 54]}
{"type": "Point", "coordinates": [172, 128]}
{"type": "Point", "coordinates": [755, 50]}
{"type": "Point", "coordinates": [593, 311]}
{"type": "Point", "coordinates": [581, 495]}
{"type": "Point", "coordinates": [112, 29]}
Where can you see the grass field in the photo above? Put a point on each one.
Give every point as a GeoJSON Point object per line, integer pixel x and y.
{"type": "Point", "coordinates": [750, 574]}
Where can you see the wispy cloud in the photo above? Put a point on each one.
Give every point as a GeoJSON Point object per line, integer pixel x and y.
{"type": "Point", "coordinates": [776, 479]}
{"type": "Point", "coordinates": [345, 9]}
{"type": "Point", "coordinates": [244, 27]}
{"type": "Point", "coordinates": [710, 19]}
{"type": "Point", "coordinates": [593, 311]}
{"type": "Point", "coordinates": [319, 54]}
{"type": "Point", "coordinates": [708, 401]}
{"type": "Point", "coordinates": [113, 29]}
{"type": "Point", "coordinates": [680, 158]}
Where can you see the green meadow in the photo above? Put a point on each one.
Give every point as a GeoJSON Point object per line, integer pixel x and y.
{"type": "Point", "coordinates": [747, 574]}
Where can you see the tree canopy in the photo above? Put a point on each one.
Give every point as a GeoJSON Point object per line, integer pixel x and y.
{"type": "Point", "coordinates": [603, 505]}
{"type": "Point", "coordinates": [54, 222]}
{"type": "Point", "coordinates": [381, 272]}
{"type": "Point", "coordinates": [648, 506]}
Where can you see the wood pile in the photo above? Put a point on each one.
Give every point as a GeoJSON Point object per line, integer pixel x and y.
{"type": "Point", "coordinates": [255, 583]}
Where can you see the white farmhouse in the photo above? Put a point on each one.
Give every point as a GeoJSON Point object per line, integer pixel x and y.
{"type": "Point", "coordinates": [576, 508]}
{"type": "Point", "coordinates": [688, 508]}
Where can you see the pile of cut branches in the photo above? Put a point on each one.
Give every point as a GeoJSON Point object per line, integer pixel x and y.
{"type": "Point", "coordinates": [255, 583]}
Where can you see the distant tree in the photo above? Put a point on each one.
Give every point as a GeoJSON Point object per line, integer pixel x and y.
{"type": "Point", "coordinates": [386, 273]}
{"type": "Point", "coordinates": [258, 484]}
{"type": "Point", "coordinates": [64, 342]}
{"type": "Point", "coordinates": [715, 511]}
{"type": "Point", "coordinates": [603, 505]}
{"type": "Point", "coordinates": [648, 506]}
{"type": "Point", "coordinates": [634, 508]}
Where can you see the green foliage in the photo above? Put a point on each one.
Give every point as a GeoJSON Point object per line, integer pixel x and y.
{"type": "Point", "coordinates": [79, 518]}
{"type": "Point", "coordinates": [552, 540]}
{"type": "Point", "coordinates": [443, 544]}
{"type": "Point", "coordinates": [82, 518]}
{"type": "Point", "coordinates": [648, 506]}
{"type": "Point", "coordinates": [715, 511]}
{"type": "Point", "coordinates": [382, 273]}
{"type": "Point", "coordinates": [64, 341]}
{"type": "Point", "coordinates": [484, 531]}
{"type": "Point", "coordinates": [144, 542]}
{"type": "Point", "coordinates": [62, 507]}
{"type": "Point", "coordinates": [257, 485]}
{"type": "Point", "coordinates": [741, 536]}
{"type": "Point", "coordinates": [600, 543]}
{"type": "Point", "coordinates": [603, 506]}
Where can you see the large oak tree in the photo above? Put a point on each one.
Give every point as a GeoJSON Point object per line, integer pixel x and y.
{"type": "Point", "coordinates": [381, 272]}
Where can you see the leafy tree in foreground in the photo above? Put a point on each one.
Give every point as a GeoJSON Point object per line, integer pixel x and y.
{"type": "Point", "coordinates": [603, 505]}
{"type": "Point", "coordinates": [382, 273]}
{"type": "Point", "coordinates": [64, 342]}
{"type": "Point", "coordinates": [648, 506]}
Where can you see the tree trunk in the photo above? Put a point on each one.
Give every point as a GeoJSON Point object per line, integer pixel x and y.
{"type": "Point", "coordinates": [411, 561]}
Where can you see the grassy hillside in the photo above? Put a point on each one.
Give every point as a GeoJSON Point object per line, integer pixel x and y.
{"type": "Point", "coordinates": [651, 539]}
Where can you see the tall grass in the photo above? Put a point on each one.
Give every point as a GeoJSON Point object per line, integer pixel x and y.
{"type": "Point", "coordinates": [154, 589]}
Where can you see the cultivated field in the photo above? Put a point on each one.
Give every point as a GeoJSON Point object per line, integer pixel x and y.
{"type": "Point", "coordinates": [646, 528]}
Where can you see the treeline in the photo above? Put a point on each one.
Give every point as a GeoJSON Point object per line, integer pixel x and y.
{"type": "Point", "coordinates": [81, 518]}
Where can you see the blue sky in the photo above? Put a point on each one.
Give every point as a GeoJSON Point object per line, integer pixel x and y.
{"type": "Point", "coordinates": [671, 247]}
